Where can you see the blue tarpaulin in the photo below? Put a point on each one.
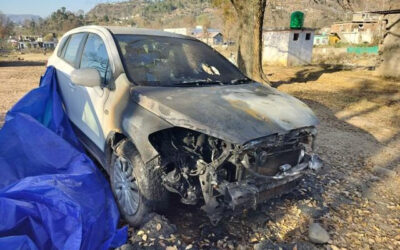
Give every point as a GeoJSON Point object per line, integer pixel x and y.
{"type": "Point", "coordinates": [52, 196]}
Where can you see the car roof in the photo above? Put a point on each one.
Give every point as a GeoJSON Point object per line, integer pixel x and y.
{"type": "Point", "coordinates": [121, 30]}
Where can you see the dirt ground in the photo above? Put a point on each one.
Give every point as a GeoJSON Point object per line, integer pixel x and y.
{"type": "Point", "coordinates": [356, 195]}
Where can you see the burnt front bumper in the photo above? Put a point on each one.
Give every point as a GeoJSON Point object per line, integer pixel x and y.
{"type": "Point", "coordinates": [259, 188]}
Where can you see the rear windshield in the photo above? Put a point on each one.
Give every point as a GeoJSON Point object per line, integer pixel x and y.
{"type": "Point", "coordinates": [168, 61]}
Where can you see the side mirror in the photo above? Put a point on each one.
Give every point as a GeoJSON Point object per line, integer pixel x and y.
{"type": "Point", "coordinates": [86, 77]}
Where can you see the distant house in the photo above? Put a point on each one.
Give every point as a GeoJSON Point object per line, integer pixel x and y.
{"type": "Point", "coordinates": [49, 45]}
{"type": "Point", "coordinates": [180, 31]}
{"type": "Point", "coordinates": [364, 17]}
{"type": "Point", "coordinates": [363, 28]}
{"type": "Point", "coordinates": [211, 36]}
{"type": "Point", "coordinates": [35, 43]}
{"type": "Point", "coordinates": [288, 47]}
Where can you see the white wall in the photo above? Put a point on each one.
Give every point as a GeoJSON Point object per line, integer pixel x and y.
{"type": "Point", "coordinates": [281, 49]}
{"type": "Point", "coordinates": [357, 37]}
{"type": "Point", "coordinates": [276, 45]}
{"type": "Point", "coordinates": [180, 31]}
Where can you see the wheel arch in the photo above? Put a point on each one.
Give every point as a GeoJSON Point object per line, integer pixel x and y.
{"type": "Point", "coordinates": [112, 141]}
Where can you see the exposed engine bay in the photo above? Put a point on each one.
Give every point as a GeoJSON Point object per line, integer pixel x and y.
{"type": "Point", "coordinates": [221, 175]}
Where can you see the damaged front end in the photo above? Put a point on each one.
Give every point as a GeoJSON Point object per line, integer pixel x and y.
{"type": "Point", "coordinates": [222, 175]}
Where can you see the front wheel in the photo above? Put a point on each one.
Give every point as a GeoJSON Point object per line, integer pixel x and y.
{"type": "Point", "coordinates": [136, 188]}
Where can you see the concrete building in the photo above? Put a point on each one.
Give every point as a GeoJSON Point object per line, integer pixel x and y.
{"type": "Point", "coordinates": [288, 47]}
{"type": "Point", "coordinates": [211, 37]}
{"type": "Point", "coordinates": [180, 31]}
{"type": "Point", "coordinates": [364, 28]}
{"type": "Point", "coordinates": [365, 17]}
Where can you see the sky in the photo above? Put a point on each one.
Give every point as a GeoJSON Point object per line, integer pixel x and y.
{"type": "Point", "coordinates": [44, 8]}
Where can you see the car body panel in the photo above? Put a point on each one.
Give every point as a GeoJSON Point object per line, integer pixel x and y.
{"type": "Point", "coordinates": [235, 113]}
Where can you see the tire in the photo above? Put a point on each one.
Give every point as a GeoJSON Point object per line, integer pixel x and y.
{"type": "Point", "coordinates": [137, 189]}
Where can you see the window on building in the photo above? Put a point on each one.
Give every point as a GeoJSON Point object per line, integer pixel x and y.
{"type": "Point", "coordinates": [308, 36]}
{"type": "Point", "coordinates": [295, 36]}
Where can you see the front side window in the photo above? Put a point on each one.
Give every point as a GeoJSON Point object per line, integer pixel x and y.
{"type": "Point", "coordinates": [95, 56]}
{"type": "Point", "coordinates": [168, 61]}
{"type": "Point", "coordinates": [72, 49]}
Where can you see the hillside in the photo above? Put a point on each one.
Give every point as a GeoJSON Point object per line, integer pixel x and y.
{"type": "Point", "coordinates": [20, 19]}
{"type": "Point", "coordinates": [185, 13]}
{"type": "Point", "coordinates": [156, 14]}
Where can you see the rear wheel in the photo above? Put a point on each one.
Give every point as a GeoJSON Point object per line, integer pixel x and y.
{"type": "Point", "coordinates": [136, 189]}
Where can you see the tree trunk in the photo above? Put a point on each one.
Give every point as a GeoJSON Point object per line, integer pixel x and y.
{"type": "Point", "coordinates": [251, 16]}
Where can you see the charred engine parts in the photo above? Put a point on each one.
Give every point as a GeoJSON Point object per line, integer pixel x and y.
{"type": "Point", "coordinates": [201, 168]}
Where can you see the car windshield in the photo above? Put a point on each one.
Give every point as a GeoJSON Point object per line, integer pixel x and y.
{"type": "Point", "coordinates": [169, 61]}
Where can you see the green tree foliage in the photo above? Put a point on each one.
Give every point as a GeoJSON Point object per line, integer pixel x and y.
{"type": "Point", "coordinates": [161, 6]}
{"type": "Point", "coordinates": [63, 20]}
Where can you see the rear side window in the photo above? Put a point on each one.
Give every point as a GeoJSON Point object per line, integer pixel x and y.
{"type": "Point", "coordinates": [95, 56]}
{"type": "Point", "coordinates": [62, 47]}
{"type": "Point", "coordinates": [72, 48]}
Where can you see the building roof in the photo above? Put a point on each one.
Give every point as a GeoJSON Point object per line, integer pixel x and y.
{"type": "Point", "coordinates": [287, 29]}
{"type": "Point", "coordinates": [209, 35]}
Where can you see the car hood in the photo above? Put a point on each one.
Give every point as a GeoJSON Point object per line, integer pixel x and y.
{"type": "Point", "coordinates": [235, 113]}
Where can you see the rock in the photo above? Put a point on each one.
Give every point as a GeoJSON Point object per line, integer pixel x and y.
{"type": "Point", "coordinates": [318, 234]}
{"type": "Point", "coordinates": [383, 171]}
{"type": "Point", "coordinates": [126, 247]}
{"type": "Point", "coordinates": [263, 245]}
{"type": "Point", "coordinates": [159, 226]}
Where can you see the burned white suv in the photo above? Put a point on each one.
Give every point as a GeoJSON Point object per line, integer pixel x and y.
{"type": "Point", "coordinates": [165, 113]}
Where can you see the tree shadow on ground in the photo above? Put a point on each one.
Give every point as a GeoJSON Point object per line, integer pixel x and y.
{"type": "Point", "coordinates": [314, 73]}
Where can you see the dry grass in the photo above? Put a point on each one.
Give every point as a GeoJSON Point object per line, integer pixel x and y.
{"type": "Point", "coordinates": [18, 77]}
{"type": "Point", "coordinates": [359, 131]}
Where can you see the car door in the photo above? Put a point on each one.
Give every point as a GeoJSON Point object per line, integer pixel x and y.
{"type": "Point", "coordinates": [91, 100]}
{"type": "Point", "coordinates": [67, 62]}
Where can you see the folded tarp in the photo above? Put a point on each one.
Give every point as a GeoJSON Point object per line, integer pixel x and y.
{"type": "Point", "coordinates": [52, 196]}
